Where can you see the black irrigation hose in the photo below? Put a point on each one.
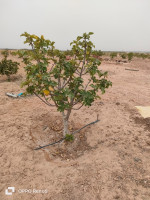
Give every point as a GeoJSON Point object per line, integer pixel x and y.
{"type": "Point", "coordinates": [49, 144]}
{"type": "Point", "coordinates": [41, 147]}
{"type": "Point", "coordinates": [132, 69]}
{"type": "Point", "coordinates": [85, 126]}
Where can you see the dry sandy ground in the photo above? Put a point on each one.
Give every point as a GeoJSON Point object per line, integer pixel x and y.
{"type": "Point", "coordinates": [109, 160]}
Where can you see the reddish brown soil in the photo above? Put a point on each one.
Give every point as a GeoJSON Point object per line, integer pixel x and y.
{"type": "Point", "coordinates": [108, 160]}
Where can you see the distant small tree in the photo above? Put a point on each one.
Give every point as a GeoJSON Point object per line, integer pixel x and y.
{"type": "Point", "coordinates": [62, 83]}
{"type": "Point", "coordinates": [130, 56]}
{"type": "Point", "coordinates": [113, 55]}
{"type": "Point", "coordinates": [68, 53]}
{"type": "Point", "coordinates": [123, 55]}
{"type": "Point", "coordinates": [97, 53]}
{"type": "Point", "coordinates": [143, 55]}
{"type": "Point", "coordinates": [8, 67]}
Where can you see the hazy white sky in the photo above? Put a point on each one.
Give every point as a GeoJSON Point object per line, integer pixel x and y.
{"type": "Point", "coordinates": [122, 25]}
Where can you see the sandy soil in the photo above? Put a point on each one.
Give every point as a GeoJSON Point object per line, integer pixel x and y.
{"type": "Point", "coordinates": [109, 160]}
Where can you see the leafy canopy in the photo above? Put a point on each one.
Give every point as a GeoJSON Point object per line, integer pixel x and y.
{"type": "Point", "coordinates": [60, 82]}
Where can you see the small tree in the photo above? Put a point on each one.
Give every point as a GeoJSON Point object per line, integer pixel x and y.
{"type": "Point", "coordinates": [8, 67]}
{"type": "Point", "coordinates": [113, 55]}
{"type": "Point", "coordinates": [143, 55]}
{"type": "Point", "coordinates": [68, 53]}
{"type": "Point", "coordinates": [123, 55]}
{"type": "Point", "coordinates": [61, 83]}
{"type": "Point", "coordinates": [130, 56]}
{"type": "Point", "coordinates": [97, 53]}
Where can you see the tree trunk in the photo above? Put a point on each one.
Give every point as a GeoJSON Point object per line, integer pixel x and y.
{"type": "Point", "coordinates": [65, 123]}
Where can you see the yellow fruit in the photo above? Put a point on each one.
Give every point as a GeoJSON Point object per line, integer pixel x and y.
{"type": "Point", "coordinates": [51, 89]}
{"type": "Point", "coordinates": [42, 37]}
{"type": "Point", "coordinates": [39, 76]}
{"type": "Point", "coordinates": [46, 92]}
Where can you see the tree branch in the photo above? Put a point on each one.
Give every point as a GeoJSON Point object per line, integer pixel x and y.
{"type": "Point", "coordinates": [78, 108]}
{"type": "Point", "coordinates": [81, 97]}
{"type": "Point", "coordinates": [87, 84]}
{"type": "Point", "coordinates": [65, 83]}
{"type": "Point", "coordinates": [47, 103]}
{"type": "Point", "coordinates": [51, 67]}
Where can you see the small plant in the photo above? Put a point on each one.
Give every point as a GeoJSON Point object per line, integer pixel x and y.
{"type": "Point", "coordinates": [130, 56]}
{"type": "Point", "coordinates": [142, 55]}
{"type": "Point", "coordinates": [113, 55]}
{"type": "Point", "coordinates": [8, 67]}
{"type": "Point", "coordinates": [62, 83]}
{"type": "Point", "coordinates": [68, 53]}
{"type": "Point", "coordinates": [97, 53]}
{"type": "Point", "coordinates": [69, 137]}
{"type": "Point", "coordinates": [123, 56]}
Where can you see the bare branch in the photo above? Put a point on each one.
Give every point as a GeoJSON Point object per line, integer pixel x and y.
{"type": "Point", "coordinates": [83, 68]}
{"type": "Point", "coordinates": [52, 96]}
{"type": "Point", "coordinates": [59, 83]}
{"type": "Point", "coordinates": [65, 83]}
{"type": "Point", "coordinates": [78, 108]}
{"type": "Point", "coordinates": [77, 73]}
{"type": "Point", "coordinates": [52, 67]}
{"type": "Point", "coordinates": [76, 102]}
{"type": "Point", "coordinates": [47, 103]}
{"type": "Point", "coordinates": [87, 84]}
